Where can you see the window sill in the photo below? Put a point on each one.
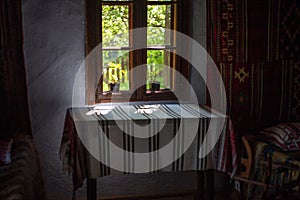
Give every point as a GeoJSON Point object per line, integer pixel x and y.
{"type": "Point", "coordinates": [123, 96]}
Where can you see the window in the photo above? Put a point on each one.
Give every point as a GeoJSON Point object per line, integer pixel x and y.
{"type": "Point", "coordinates": [110, 22]}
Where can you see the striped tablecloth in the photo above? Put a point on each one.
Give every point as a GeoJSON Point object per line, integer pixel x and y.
{"type": "Point", "coordinates": [88, 122]}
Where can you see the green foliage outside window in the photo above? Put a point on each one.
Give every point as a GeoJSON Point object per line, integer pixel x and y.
{"type": "Point", "coordinates": [115, 33]}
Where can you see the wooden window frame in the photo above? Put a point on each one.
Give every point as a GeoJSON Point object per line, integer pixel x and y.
{"type": "Point", "coordinates": [94, 38]}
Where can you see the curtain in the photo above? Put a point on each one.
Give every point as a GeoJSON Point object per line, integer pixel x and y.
{"type": "Point", "coordinates": [14, 112]}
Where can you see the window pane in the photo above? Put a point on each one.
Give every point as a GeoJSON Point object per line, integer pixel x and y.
{"type": "Point", "coordinates": [115, 69]}
{"type": "Point", "coordinates": [158, 18]}
{"type": "Point", "coordinates": [158, 68]}
{"type": "Point", "coordinates": [115, 25]}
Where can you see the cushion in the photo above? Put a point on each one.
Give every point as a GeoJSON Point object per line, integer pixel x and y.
{"type": "Point", "coordinates": [286, 136]}
{"type": "Point", "coordinates": [5, 151]}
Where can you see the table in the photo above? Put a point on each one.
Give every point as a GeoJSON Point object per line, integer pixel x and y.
{"type": "Point", "coordinates": [89, 127]}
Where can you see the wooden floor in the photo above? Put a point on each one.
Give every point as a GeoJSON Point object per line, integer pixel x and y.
{"type": "Point", "coordinates": [126, 187]}
{"type": "Point", "coordinates": [171, 198]}
{"type": "Point", "coordinates": [187, 197]}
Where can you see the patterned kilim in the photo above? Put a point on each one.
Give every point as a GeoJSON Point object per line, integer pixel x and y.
{"type": "Point", "coordinates": [255, 44]}
{"type": "Point", "coordinates": [224, 31]}
{"type": "Point", "coordinates": [289, 31]}
{"type": "Point", "coordinates": [250, 31]}
{"type": "Point", "coordinates": [285, 180]}
{"type": "Point", "coordinates": [262, 94]}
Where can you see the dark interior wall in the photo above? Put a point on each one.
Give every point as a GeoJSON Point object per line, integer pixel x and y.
{"type": "Point", "coordinates": [54, 50]}
{"type": "Point", "coordinates": [14, 111]}
{"type": "Point", "coordinates": [199, 35]}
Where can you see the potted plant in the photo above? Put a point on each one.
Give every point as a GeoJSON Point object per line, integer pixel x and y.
{"type": "Point", "coordinates": [114, 84]}
{"type": "Point", "coordinates": [152, 75]}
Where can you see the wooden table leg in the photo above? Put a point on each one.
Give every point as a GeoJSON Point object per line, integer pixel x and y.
{"type": "Point", "coordinates": [209, 191]}
{"type": "Point", "coordinates": [91, 188]}
{"type": "Point", "coordinates": [200, 185]}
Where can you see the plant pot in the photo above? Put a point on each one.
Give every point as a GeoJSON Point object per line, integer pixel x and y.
{"type": "Point", "coordinates": [114, 87]}
{"type": "Point", "coordinates": [155, 86]}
